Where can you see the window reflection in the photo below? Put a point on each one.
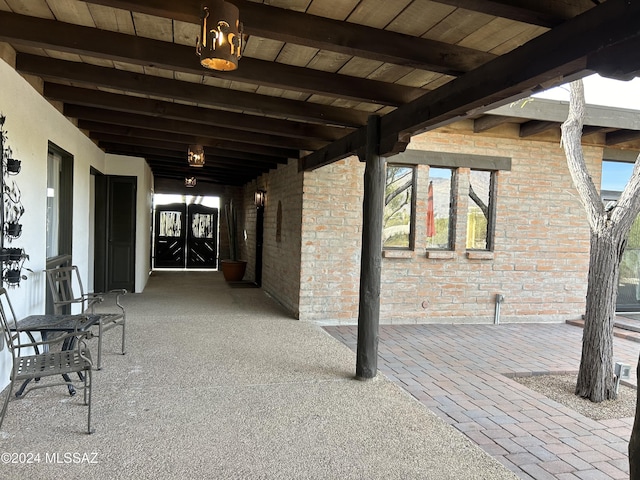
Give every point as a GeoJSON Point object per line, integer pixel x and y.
{"type": "Point", "coordinates": [398, 207]}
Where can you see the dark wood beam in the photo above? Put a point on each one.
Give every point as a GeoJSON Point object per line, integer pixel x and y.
{"type": "Point", "coordinates": [487, 122]}
{"type": "Point", "coordinates": [135, 136]}
{"type": "Point", "coordinates": [622, 136]}
{"type": "Point", "coordinates": [325, 34]}
{"type": "Point", "coordinates": [179, 169]}
{"type": "Point", "coordinates": [50, 34]}
{"type": "Point", "coordinates": [591, 130]}
{"type": "Point", "coordinates": [334, 152]}
{"type": "Point", "coordinates": [181, 157]}
{"type": "Point", "coordinates": [552, 58]}
{"type": "Point", "coordinates": [532, 13]}
{"type": "Point", "coordinates": [91, 75]}
{"type": "Point", "coordinates": [91, 114]}
{"type": "Point", "coordinates": [616, 61]}
{"type": "Point", "coordinates": [166, 172]}
{"type": "Point", "coordinates": [177, 111]}
{"type": "Point", "coordinates": [534, 127]}
{"type": "Point", "coordinates": [179, 150]}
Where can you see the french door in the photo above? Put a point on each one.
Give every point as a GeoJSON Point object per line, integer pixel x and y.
{"type": "Point", "coordinates": [186, 236]}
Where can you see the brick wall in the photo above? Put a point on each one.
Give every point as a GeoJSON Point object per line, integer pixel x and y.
{"type": "Point", "coordinates": [281, 256]}
{"type": "Point", "coordinates": [539, 262]}
{"type": "Point", "coordinates": [331, 239]}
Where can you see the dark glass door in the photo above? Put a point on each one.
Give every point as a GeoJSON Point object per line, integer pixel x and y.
{"type": "Point", "coordinates": [170, 230]}
{"type": "Point", "coordinates": [202, 235]}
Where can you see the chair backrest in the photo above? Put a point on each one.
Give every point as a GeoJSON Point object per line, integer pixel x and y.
{"type": "Point", "coordinates": [66, 288]}
{"type": "Point", "coordinates": [10, 333]}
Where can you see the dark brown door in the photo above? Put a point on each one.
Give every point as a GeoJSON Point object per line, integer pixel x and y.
{"type": "Point", "coordinates": [115, 232]}
{"type": "Point", "coordinates": [121, 232]}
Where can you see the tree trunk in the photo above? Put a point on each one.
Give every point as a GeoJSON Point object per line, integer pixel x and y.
{"type": "Point", "coordinates": [596, 378]}
{"type": "Point", "coordinates": [634, 441]}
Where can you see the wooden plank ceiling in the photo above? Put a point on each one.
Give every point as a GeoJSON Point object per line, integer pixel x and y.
{"type": "Point", "coordinates": [311, 74]}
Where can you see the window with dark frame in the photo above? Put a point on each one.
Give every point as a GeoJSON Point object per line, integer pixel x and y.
{"type": "Point", "coordinates": [439, 201]}
{"type": "Point", "coordinates": [399, 207]}
{"type": "Point", "coordinates": [481, 210]}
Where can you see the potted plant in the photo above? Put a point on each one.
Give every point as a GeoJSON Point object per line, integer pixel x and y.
{"type": "Point", "coordinates": [232, 269]}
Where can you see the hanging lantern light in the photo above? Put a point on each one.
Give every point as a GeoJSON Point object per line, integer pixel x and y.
{"type": "Point", "coordinates": [219, 44]}
{"type": "Point", "coordinates": [190, 182]}
{"type": "Point", "coordinates": [195, 156]}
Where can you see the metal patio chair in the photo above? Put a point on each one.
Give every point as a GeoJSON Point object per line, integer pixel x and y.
{"type": "Point", "coordinates": [66, 289]}
{"type": "Point", "coordinates": [34, 360]}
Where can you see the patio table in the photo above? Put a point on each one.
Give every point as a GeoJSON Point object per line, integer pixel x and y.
{"type": "Point", "coordinates": [50, 324]}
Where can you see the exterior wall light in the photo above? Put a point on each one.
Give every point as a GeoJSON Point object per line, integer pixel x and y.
{"type": "Point", "coordinates": [260, 198]}
{"type": "Point", "coordinates": [220, 42]}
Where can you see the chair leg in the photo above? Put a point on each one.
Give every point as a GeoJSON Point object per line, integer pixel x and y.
{"type": "Point", "coordinates": [6, 402]}
{"type": "Point", "coordinates": [124, 322]}
{"type": "Point", "coordinates": [99, 366]}
{"type": "Point", "coordinates": [88, 385]}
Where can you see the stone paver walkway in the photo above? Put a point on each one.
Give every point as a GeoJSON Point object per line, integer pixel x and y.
{"type": "Point", "coordinates": [461, 372]}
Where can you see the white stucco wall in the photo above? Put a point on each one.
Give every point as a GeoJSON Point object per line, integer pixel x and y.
{"type": "Point", "coordinates": [31, 122]}
{"type": "Point", "coordinates": [138, 167]}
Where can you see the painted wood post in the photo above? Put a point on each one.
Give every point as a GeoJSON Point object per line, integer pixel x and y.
{"type": "Point", "coordinates": [371, 260]}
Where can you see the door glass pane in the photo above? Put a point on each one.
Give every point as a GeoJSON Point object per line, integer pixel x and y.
{"type": "Point", "coordinates": [53, 204]}
{"type": "Point", "coordinates": [202, 225]}
{"type": "Point", "coordinates": [170, 224]}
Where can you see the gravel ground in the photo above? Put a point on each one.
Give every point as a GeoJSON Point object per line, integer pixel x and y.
{"type": "Point", "coordinates": [560, 388]}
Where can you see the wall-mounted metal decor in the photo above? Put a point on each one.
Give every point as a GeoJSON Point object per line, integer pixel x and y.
{"type": "Point", "coordinates": [11, 258]}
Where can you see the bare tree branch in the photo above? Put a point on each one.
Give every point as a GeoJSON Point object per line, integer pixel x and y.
{"type": "Point", "coordinates": [478, 201]}
{"type": "Point", "coordinates": [572, 144]}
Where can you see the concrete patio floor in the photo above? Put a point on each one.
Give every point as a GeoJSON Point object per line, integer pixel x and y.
{"type": "Point", "coordinates": [461, 373]}
{"type": "Point", "coordinates": [218, 383]}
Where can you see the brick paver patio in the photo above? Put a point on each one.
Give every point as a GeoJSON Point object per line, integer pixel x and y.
{"type": "Point", "coordinates": [461, 372]}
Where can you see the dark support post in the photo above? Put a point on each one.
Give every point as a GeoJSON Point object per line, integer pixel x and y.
{"type": "Point", "coordinates": [370, 267]}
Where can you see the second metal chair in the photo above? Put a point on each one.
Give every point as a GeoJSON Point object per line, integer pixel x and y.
{"type": "Point", "coordinates": [66, 289]}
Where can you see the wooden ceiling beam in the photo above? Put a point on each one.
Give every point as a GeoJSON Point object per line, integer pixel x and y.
{"type": "Point", "coordinates": [552, 58]}
{"type": "Point", "coordinates": [167, 172]}
{"type": "Point", "coordinates": [622, 136]}
{"type": "Point", "coordinates": [534, 127]}
{"type": "Point", "coordinates": [131, 136]}
{"type": "Point", "coordinates": [180, 148]}
{"type": "Point", "coordinates": [91, 75]}
{"type": "Point", "coordinates": [525, 11]}
{"type": "Point", "coordinates": [91, 114]}
{"type": "Point", "coordinates": [616, 62]}
{"type": "Point", "coordinates": [181, 156]}
{"type": "Point", "coordinates": [51, 34]}
{"type": "Point", "coordinates": [177, 111]}
{"type": "Point", "coordinates": [325, 34]}
{"type": "Point", "coordinates": [487, 122]}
